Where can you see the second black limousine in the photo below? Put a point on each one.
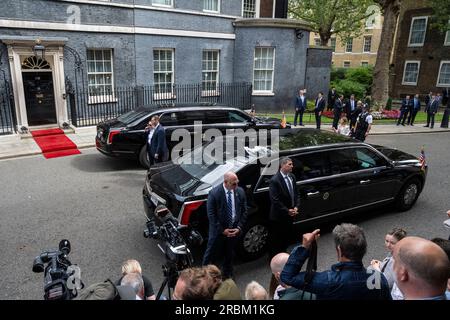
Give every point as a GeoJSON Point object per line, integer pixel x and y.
{"type": "Point", "coordinates": [336, 175]}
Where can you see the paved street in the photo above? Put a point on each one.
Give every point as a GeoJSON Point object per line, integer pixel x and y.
{"type": "Point", "coordinates": [95, 202]}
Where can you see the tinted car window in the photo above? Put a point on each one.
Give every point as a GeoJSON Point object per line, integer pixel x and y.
{"type": "Point", "coordinates": [216, 116]}
{"type": "Point", "coordinates": [187, 118]}
{"type": "Point", "coordinates": [343, 160]}
{"type": "Point", "coordinates": [132, 116]}
{"type": "Point", "coordinates": [237, 117]}
{"type": "Point", "coordinates": [368, 159]}
{"type": "Point", "coordinates": [169, 119]}
{"type": "Point", "coordinates": [310, 166]}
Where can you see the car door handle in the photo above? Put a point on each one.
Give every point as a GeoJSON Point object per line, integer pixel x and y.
{"type": "Point", "coordinates": [312, 194]}
{"type": "Point", "coordinates": [364, 181]}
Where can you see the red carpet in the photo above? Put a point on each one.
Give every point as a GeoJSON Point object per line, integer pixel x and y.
{"type": "Point", "coordinates": [54, 143]}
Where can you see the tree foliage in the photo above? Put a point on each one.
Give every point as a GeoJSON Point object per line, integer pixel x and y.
{"type": "Point", "coordinates": [441, 14]}
{"type": "Point", "coordinates": [345, 18]}
{"type": "Point", "coordinates": [357, 81]}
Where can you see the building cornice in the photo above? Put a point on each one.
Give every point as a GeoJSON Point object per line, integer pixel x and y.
{"type": "Point", "coordinates": [273, 23]}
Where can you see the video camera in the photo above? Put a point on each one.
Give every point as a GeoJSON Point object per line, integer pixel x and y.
{"type": "Point", "coordinates": [61, 278]}
{"type": "Point", "coordinates": [176, 238]}
{"type": "Point", "coordinates": [175, 248]}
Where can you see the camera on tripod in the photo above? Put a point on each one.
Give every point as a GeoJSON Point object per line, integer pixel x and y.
{"type": "Point", "coordinates": [61, 278]}
{"type": "Point", "coordinates": [175, 239]}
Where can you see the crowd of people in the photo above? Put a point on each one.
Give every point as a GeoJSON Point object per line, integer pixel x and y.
{"type": "Point", "coordinates": [352, 117]}
{"type": "Point", "coordinates": [415, 268]}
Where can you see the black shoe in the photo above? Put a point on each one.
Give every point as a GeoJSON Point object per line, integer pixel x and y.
{"type": "Point", "coordinates": [426, 126]}
{"type": "Point", "coordinates": [403, 124]}
{"type": "Point", "coordinates": [398, 124]}
{"type": "Point", "coordinates": [301, 124]}
{"type": "Point", "coordinates": [431, 127]}
{"type": "Point", "coordinates": [412, 124]}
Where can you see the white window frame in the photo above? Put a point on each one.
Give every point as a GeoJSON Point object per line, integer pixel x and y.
{"type": "Point", "coordinates": [214, 92]}
{"type": "Point", "coordinates": [162, 4]}
{"type": "Point", "coordinates": [404, 73]}
{"type": "Point", "coordinates": [317, 40]}
{"type": "Point", "coordinates": [447, 38]}
{"type": "Point", "coordinates": [212, 11]}
{"type": "Point", "coordinates": [346, 46]}
{"type": "Point", "coordinates": [170, 94]}
{"type": "Point", "coordinates": [263, 92]}
{"type": "Point", "coordinates": [364, 44]}
{"type": "Point", "coordinates": [410, 31]}
{"type": "Point", "coordinates": [257, 8]}
{"type": "Point", "coordinates": [349, 64]}
{"type": "Point", "coordinates": [105, 98]}
{"type": "Point", "coordinates": [439, 75]}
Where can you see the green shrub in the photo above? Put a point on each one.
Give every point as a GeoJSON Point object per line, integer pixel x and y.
{"type": "Point", "coordinates": [363, 75]}
{"type": "Point", "coordinates": [348, 87]}
{"type": "Point", "coordinates": [338, 73]}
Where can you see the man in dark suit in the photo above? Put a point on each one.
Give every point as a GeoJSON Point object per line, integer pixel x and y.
{"type": "Point", "coordinates": [416, 108]}
{"type": "Point", "coordinates": [318, 108]}
{"type": "Point", "coordinates": [284, 207]}
{"type": "Point", "coordinates": [428, 99]}
{"type": "Point", "coordinates": [432, 109]}
{"type": "Point", "coordinates": [337, 110]}
{"type": "Point", "coordinates": [350, 106]}
{"type": "Point", "coordinates": [227, 214]}
{"type": "Point", "coordinates": [407, 105]}
{"type": "Point", "coordinates": [156, 142]}
{"type": "Point", "coordinates": [300, 107]}
{"type": "Point", "coordinates": [332, 96]}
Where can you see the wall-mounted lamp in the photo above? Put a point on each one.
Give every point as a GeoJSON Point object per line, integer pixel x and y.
{"type": "Point", "coordinates": [39, 49]}
{"type": "Point", "coordinates": [299, 34]}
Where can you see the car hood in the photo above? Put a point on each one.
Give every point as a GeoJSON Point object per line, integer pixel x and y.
{"type": "Point", "coordinates": [396, 155]}
{"type": "Point", "coordinates": [170, 178]}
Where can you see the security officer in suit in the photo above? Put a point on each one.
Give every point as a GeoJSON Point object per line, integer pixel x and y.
{"type": "Point", "coordinates": [156, 142]}
{"type": "Point", "coordinates": [405, 109]}
{"type": "Point", "coordinates": [284, 207]}
{"type": "Point", "coordinates": [432, 109]}
{"type": "Point", "coordinates": [337, 110]}
{"type": "Point", "coordinates": [300, 107]}
{"type": "Point", "coordinates": [318, 108]}
{"type": "Point", "coordinates": [227, 214]}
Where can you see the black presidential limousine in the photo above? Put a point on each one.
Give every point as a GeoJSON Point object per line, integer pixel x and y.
{"type": "Point", "coordinates": [125, 136]}
{"type": "Point", "coordinates": [335, 175]}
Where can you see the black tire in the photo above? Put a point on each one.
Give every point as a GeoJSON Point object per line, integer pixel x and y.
{"type": "Point", "coordinates": [143, 159]}
{"type": "Point", "coordinates": [254, 240]}
{"type": "Point", "coordinates": [408, 195]}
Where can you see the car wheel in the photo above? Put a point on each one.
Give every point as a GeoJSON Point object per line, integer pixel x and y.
{"type": "Point", "coordinates": [253, 242]}
{"type": "Point", "coordinates": [143, 159]}
{"type": "Point", "coordinates": [408, 194]}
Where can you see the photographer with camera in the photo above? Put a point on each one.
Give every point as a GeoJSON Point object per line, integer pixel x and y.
{"type": "Point", "coordinates": [227, 214]}
{"type": "Point", "coordinates": [348, 279]}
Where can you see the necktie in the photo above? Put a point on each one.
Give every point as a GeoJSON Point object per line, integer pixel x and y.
{"type": "Point", "coordinates": [291, 192]}
{"type": "Point", "coordinates": [229, 218]}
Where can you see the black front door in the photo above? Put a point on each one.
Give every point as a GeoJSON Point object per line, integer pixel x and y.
{"type": "Point", "coordinates": [39, 98]}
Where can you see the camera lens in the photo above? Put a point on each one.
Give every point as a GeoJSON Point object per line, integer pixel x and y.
{"type": "Point", "coordinates": [38, 265]}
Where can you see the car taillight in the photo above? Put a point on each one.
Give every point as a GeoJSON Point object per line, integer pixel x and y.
{"type": "Point", "coordinates": [112, 133]}
{"type": "Point", "coordinates": [188, 209]}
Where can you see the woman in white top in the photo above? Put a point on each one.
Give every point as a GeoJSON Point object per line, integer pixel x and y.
{"type": "Point", "coordinates": [343, 127]}
{"type": "Point", "coordinates": [386, 266]}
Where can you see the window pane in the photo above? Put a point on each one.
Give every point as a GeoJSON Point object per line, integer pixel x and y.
{"type": "Point", "coordinates": [263, 69]}
{"type": "Point", "coordinates": [411, 72]}
{"type": "Point", "coordinates": [444, 75]}
{"type": "Point", "coordinates": [100, 76]}
{"type": "Point", "coordinates": [249, 10]}
{"type": "Point", "coordinates": [418, 31]}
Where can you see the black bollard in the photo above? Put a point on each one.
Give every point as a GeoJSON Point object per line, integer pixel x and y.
{"type": "Point", "coordinates": [444, 123]}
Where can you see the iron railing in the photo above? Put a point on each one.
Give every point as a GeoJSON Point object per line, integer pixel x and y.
{"type": "Point", "coordinates": [87, 107]}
